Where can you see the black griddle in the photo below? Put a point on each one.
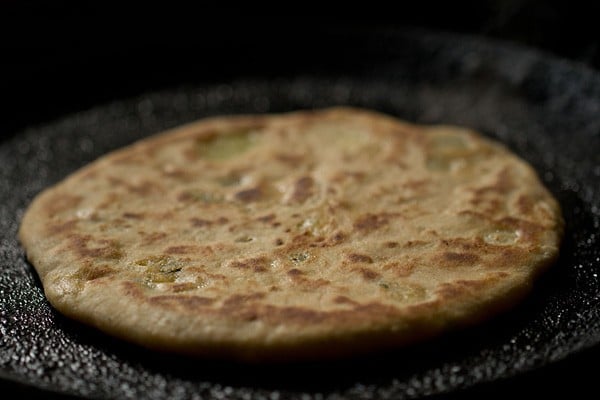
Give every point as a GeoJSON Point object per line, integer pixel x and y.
{"type": "Point", "coordinates": [545, 109]}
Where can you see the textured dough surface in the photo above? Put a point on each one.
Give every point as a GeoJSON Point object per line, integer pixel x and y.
{"type": "Point", "coordinates": [303, 235]}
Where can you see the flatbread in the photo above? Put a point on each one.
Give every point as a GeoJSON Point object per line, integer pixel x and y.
{"type": "Point", "coordinates": [310, 234]}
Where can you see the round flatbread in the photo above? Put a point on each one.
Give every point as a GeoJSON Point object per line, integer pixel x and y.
{"type": "Point", "coordinates": [303, 235]}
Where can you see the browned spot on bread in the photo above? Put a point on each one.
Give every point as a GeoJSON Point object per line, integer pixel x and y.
{"type": "Point", "coordinates": [453, 259]}
{"type": "Point", "coordinates": [416, 184]}
{"type": "Point", "coordinates": [241, 300]}
{"type": "Point", "coordinates": [359, 258]}
{"type": "Point", "coordinates": [303, 189]}
{"type": "Point", "coordinates": [345, 175]}
{"type": "Point", "coordinates": [391, 244]}
{"type": "Point", "coordinates": [525, 204]}
{"type": "Point", "coordinates": [256, 264]}
{"type": "Point", "coordinates": [370, 222]}
{"type": "Point", "coordinates": [200, 222]}
{"type": "Point", "coordinates": [266, 218]}
{"type": "Point", "coordinates": [182, 249]}
{"type": "Point", "coordinates": [344, 300]}
{"type": "Point", "coordinates": [369, 274]}
{"type": "Point", "coordinates": [278, 242]}
{"type": "Point", "coordinates": [60, 203]}
{"type": "Point", "coordinates": [460, 288]}
{"type": "Point", "coordinates": [109, 249]}
{"type": "Point", "coordinates": [310, 284]}
{"type": "Point", "coordinates": [249, 195]}
{"type": "Point", "coordinates": [414, 243]}
{"type": "Point", "coordinates": [489, 206]}
{"type": "Point", "coordinates": [509, 257]}
{"type": "Point", "coordinates": [185, 197]}
{"type": "Point", "coordinates": [400, 269]}
{"type": "Point", "coordinates": [57, 229]}
{"type": "Point", "coordinates": [334, 240]}
{"type": "Point", "coordinates": [183, 287]}
{"type": "Point", "coordinates": [132, 289]}
{"type": "Point", "coordinates": [109, 200]}
{"type": "Point", "coordinates": [292, 160]}
{"type": "Point", "coordinates": [294, 272]}
{"type": "Point", "coordinates": [153, 237]}
{"type": "Point", "coordinates": [131, 215]}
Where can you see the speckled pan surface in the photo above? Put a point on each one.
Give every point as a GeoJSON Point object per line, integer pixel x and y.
{"type": "Point", "coordinates": [544, 109]}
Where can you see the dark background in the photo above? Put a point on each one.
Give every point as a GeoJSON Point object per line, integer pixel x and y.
{"type": "Point", "coordinates": [57, 58]}
{"type": "Point", "coordinates": [61, 57]}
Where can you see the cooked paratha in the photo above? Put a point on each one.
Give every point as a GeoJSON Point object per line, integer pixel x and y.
{"type": "Point", "coordinates": [303, 235]}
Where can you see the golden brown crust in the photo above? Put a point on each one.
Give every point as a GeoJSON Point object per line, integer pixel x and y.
{"type": "Point", "coordinates": [309, 234]}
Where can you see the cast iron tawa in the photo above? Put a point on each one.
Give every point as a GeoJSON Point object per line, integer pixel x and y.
{"type": "Point", "coordinates": [546, 110]}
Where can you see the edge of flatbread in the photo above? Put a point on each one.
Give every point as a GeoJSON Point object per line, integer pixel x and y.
{"type": "Point", "coordinates": [241, 327]}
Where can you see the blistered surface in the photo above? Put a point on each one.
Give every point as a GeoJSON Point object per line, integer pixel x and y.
{"type": "Point", "coordinates": [543, 109]}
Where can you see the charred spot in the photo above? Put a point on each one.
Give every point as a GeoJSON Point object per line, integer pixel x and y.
{"type": "Point", "coordinates": [238, 300]}
{"type": "Point", "coordinates": [183, 287]}
{"type": "Point", "coordinates": [369, 274]}
{"type": "Point", "coordinates": [335, 239]}
{"type": "Point", "coordinates": [290, 159]}
{"type": "Point", "coordinates": [303, 189]}
{"type": "Point", "coordinates": [266, 218]}
{"type": "Point", "coordinates": [249, 195]}
{"type": "Point", "coordinates": [185, 197]}
{"type": "Point", "coordinates": [153, 237]}
{"type": "Point", "coordinates": [133, 290]}
{"type": "Point", "coordinates": [338, 237]}
{"type": "Point", "coordinates": [400, 269]}
{"type": "Point", "coordinates": [199, 222]}
{"type": "Point", "coordinates": [248, 315]}
{"type": "Point", "coordinates": [130, 215]}
{"type": "Point", "coordinates": [390, 245]}
{"type": "Point", "coordinates": [294, 272]}
{"type": "Point", "coordinates": [109, 249]}
{"type": "Point", "coordinates": [455, 259]}
{"type": "Point", "coordinates": [370, 222]}
{"type": "Point", "coordinates": [416, 184]}
{"type": "Point", "coordinates": [278, 242]}
{"type": "Point", "coordinates": [344, 175]}
{"type": "Point", "coordinates": [525, 204]}
{"type": "Point", "coordinates": [344, 300]}
{"type": "Point", "coordinates": [257, 264]}
{"type": "Point", "coordinates": [359, 258]}
{"type": "Point", "coordinates": [55, 229]}
{"type": "Point", "coordinates": [463, 287]}
{"type": "Point", "coordinates": [181, 249]}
